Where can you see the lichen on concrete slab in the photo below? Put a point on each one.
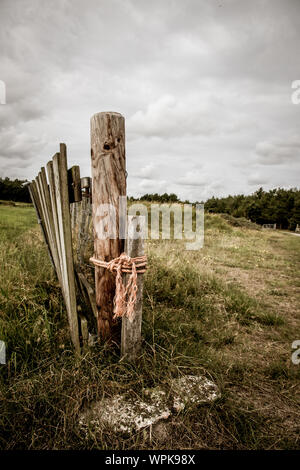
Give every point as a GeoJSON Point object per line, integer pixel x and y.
{"type": "Point", "coordinates": [128, 414]}
{"type": "Point", "coordinates": [125, 415]}
{"type": "Point", "coordinates": [192, 390]}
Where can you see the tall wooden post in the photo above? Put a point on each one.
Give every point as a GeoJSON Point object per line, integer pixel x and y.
{"type": "Point", "coordinates": [108, 183]}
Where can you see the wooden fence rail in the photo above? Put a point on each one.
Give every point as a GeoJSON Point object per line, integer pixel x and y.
{"type": "Point", "coordinates": [52, 199]}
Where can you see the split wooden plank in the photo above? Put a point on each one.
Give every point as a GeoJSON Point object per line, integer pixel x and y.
{"type": "Point", "coordinates": [74, 207]}
{"type": "Point", "coordinates": [36, 202]}
{"type": "Point", "coordinates": [64, 224]}
{"type": "Point", "coordinates": [84, 218]}
{"type": "Point", "coordinates": [83, 229]}
{"type": "Point", "coordinates": [56, 236]}
{"type": "Point", "coordinates": [42, 188]}
{"type": "Point", "coordinates": [47, 199]}
{"type": "Point", "coordinates": [84, 332]}
{"type": "Point", "coordinates": [36, 205]}
{"type": "Point", "coordinates": [79, 229]}
{"type": "Point", "coordinates": [43, 208]}
{"type": "Point", "coordinates": [131, 331]}
{"type": "Point", "coordinates": [36, 198]}
{"type": "Point", "coordinates": [71, 215]}
{"type": "Point", "coordinates": [46, 191]}
{"type": "Point", "coordinates": [87, 233]}
{"type": "Point", "coordinates": [87, 288]}
{"type": "Point", "coordinates": [108, 183]}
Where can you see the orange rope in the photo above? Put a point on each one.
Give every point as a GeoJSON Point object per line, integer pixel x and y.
{"type": "Point", "coordinates": [124, 264]}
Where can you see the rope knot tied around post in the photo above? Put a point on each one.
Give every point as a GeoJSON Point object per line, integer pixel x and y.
{"type": "Point", "coordinates": [125, 295]}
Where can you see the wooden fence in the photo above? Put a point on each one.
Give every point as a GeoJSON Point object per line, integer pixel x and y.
{"type": "Point", "coordinates": [67, 208]}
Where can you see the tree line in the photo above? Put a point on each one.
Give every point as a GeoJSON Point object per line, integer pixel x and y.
{"type": "Point", "coordinates": [162, 198]}
{"type": "Point", "coordinates": [280, 206]}
{"type": "Point", "coordinates": [14, 190]}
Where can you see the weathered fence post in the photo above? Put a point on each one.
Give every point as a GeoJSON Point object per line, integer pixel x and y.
{"type": "Point", "coordinates": [74, 184]}
{"type": "Point", "coordinates": [108, 183]}
{"type": "Point", "coordinates": [85, 184]}
{"type": "Point", "coordinates": [131, 331]}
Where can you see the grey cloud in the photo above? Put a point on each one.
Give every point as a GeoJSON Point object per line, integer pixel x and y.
{"type": "Point", "coordinates": [24, 111]}
{"type": "Point", "coordinates": [193, 178]}
{"type": "Point", "coordinates": [151, 186]}
{"type": "Point", "coordinates": [199, 84]}
{"type": "Point", "coordinates": [201, 113]}
{"type": "Point", "coordinates": [278, 152]}
{"type": "Point", "coordinates": [18, 151]}
{"type": "Point", "coordinates": [258, 179]}
{"type": "Point", "coordinates": [148, 172]}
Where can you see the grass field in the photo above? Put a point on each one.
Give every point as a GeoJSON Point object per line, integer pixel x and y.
{"type": "Point", "coordinates": [229, 311]}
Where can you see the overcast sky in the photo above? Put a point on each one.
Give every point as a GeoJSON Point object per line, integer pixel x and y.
{"type": "Point", "coordinates": [204, 86]}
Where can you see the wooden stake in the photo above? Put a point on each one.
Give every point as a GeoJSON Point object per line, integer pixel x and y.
{"type": "Point", "coordinates": [108, 183]}
{"type": "Point", "coordinates": [131, 331]}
